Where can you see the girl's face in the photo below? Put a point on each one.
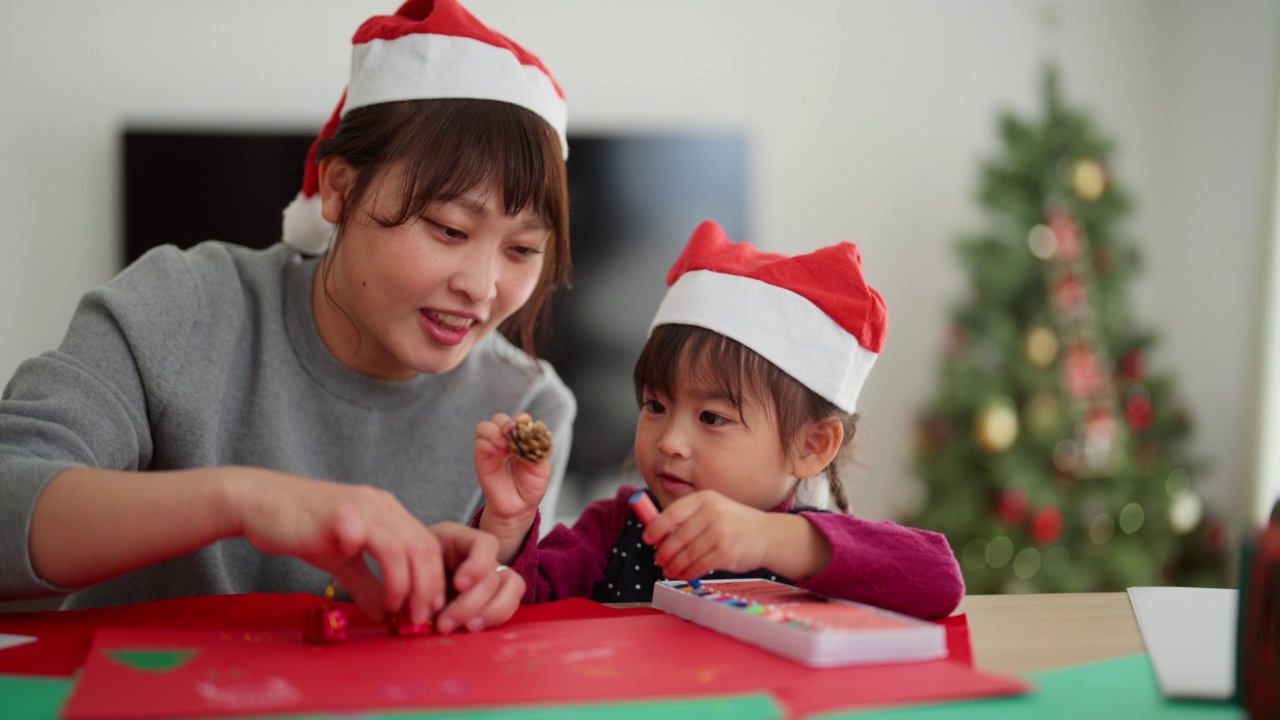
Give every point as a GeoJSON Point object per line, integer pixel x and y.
{"type": "Point", "coordinates": [697, 440]}
{"type": "Point", "coordinates": [416, 298]}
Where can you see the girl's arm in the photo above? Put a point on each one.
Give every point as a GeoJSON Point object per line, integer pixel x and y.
{"type": "Point", "coordinates": [568, 562]}
{"type": "Point", "coordinates": [885, 564]}
{"type": "Point", "coordinates": [796, 548]}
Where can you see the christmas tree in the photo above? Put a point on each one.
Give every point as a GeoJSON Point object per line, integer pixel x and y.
{"type": "Point", "coordinates": [1053, 460]}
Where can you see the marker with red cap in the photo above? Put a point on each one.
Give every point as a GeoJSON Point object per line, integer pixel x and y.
{"type": "Point", "coordinates": [644, 509]}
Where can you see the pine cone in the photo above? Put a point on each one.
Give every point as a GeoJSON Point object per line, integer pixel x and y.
{"type": "Point", "coordinates": [530, 440]}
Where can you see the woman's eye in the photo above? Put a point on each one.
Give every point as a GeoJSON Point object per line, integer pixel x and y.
{"type": "Point", "coordinates": [709, 418]}
{"type": "Point", "coordinates": [526, 250]}
{"type": "Point", "coordinates": [449, 233]}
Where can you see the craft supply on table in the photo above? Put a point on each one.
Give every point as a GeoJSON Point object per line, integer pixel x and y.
{"type": "Point", "coordinates": [802, 625]}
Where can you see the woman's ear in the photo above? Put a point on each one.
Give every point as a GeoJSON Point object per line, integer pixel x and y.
{"type": "Point", "coordinates": [822, 441]}
{"type": "Point", "coordinates": [336, 178]}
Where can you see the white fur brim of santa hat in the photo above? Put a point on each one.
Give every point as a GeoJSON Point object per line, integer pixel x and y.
{"type": "Point", "coordinates": [812, 315]}
{"type": "Point", "coordinates": [429, 49]}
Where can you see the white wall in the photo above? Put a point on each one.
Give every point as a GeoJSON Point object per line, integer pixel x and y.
{"type": "Point", "coordinates": [868, 121]}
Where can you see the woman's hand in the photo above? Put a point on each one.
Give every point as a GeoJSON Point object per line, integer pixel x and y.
{"type": "Point", "coordinates": [512, 486]}
{"type": "Point", "coordinates": [488, 593]}
{"type": "Point", "coordinates": [706, 531]}
{"type": "Point", "coordinates": [334, 526]}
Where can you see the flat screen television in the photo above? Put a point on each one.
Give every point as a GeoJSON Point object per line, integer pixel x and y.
{"type": "Point", "coordinates": [634, 200]}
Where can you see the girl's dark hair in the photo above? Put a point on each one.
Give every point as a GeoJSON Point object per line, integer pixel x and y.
{"type": "Point", "coordinates": [450, 147]}
{"type": "Point", "coordinates": [695, 355]}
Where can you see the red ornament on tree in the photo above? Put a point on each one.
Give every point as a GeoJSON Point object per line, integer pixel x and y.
{"type": "Point", "coordinates": [1046, 524]}
{"type": "Point", "coordinates": [1013, 507]}
{"type": "Point", "coordinates": [1082, 375]}
{"type": "Point", "coordinates": [1069, 293]}
{"type": "Point", "coordinates": [1137, 408]}
{"type": "Point", "coordinates": [1069, 246]}
{"type": "Point", "coordinates": [1133, 367]}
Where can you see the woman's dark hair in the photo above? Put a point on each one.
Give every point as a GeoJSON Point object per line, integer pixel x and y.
{"type": "Point", "coordinates": [450, 147]}
{"type": "Point", "coordinates": [708, 359]}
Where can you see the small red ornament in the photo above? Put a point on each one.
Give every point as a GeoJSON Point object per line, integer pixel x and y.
{"type": "Point", "coordinates": [325, 625]}
{"type": "Point", "coordinates": [1013, 507]}
{"type": "Point", "coordinates": [1137, 408]}
{"type": "Point", "coordinates": [401, 626]}
{"type": "Point", "coordinates": [1133, 367]}
{"type": "Point", "coordinates": [1069, 293]}
{"type": "Point", "coordinates": [1069, 245]}
{"type": "Point", "coordinates": [1046, 524]}
{"type": "Point", "coordinates": [1082, 375]}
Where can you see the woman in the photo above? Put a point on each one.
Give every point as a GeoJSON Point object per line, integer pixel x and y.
{"type": "Point", "coordinates": [222, 420]}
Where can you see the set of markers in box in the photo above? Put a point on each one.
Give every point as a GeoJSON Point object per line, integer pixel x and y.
{"type": "Point", "coordinates": [802, 625]}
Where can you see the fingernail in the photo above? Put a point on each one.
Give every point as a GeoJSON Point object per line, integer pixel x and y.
{"type": "Point", "coordinates": [475, 624]}
{"type": "Point", "coordinates": [508, 426]}
{"type": "Point", "coordinates": [462, 582]}
{"type": "Point", "coordinates": [445, 626]}
{"type": "Point", "coordinates": [438, 603]}
{"type": "Point", "coordinates": [421, 616]}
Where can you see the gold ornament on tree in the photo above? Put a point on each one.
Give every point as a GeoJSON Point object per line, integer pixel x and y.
{"type": "Point", "coordinates": [530, 440]}
{"type": "Point", "coordinates": [1088, 179]}
{"type": "Point", "coordinates": [1041, 346]}
{"type": "Point", "coordinates": [996, 426]}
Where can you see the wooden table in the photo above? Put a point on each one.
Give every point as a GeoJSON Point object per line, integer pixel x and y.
{"type": "Point", "coordinates": [1019, 634]}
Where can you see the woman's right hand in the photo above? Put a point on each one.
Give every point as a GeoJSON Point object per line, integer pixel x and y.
{"type": "Point", "coordinates": [333, 526]}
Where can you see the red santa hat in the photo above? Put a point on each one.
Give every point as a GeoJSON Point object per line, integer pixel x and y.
{"type": "Point", "coordinates": [813, 315]}
{"type": "Point", "coordinates": [428, 49]}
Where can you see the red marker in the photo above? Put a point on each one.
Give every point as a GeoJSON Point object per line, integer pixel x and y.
{"type": "Point", "coordinates": [644, 509]}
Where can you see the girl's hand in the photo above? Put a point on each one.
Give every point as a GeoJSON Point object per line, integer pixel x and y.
{"type": "Point", "coordinates": [706, 531]}
{"type": "Point", "coordinates": [488, 593]}
{"type": "Point", "coordinates": [334, 526]}
{"type": "Point", "coordinates": [512, 486]}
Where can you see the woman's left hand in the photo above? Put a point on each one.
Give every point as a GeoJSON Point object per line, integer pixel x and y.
{"type": "Point", "coordinates": [488, 593]}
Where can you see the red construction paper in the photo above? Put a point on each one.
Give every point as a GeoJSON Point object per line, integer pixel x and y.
{"type": "Point", "coordinates": [641, 656]}
{"type": "Point", "coordinates": [65, 635]}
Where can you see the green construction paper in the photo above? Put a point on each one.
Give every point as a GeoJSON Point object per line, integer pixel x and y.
{"type": "Point", "coordinates": [739, 707]}
{"type": "Point", "coordinates": [28, 697]}
{"type": "Point", "coordinates": [153, 660]}
{"type": "Point", "coordinates": [1121, 688]}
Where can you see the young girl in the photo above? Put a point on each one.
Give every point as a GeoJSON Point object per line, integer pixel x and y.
{"type": "Point", "coordinates": [223, 420]}
{"type": "Point", "coordinates": [747, 386]}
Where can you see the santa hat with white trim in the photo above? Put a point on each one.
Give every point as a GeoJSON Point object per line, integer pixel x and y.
{"type": "Point", "coordinates": [428, 49]}
{"type": "Point", "coordinates": [813, 315]}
